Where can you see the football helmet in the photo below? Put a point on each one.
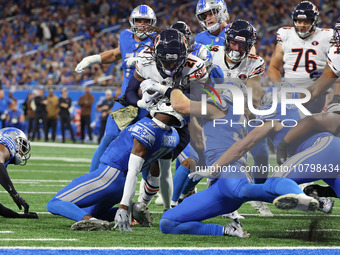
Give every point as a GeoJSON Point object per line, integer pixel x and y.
{"type": "Point", "coordinates": [267, 99]}
{"type": "Point", "coordinates": [217, 8]}
{"type": "Point", "coordinates": [305, 10]}
{"type": "Point", "coordinates": [23, 152]}
{"type": "Point", "coordinates": [184, 29]}
{"type": "Point", "coordinates": [170, 52]}
{"type": "Point", "coordinates": [164, 106]}
{"type": "Point", "coordinates": [142, 12]}
{"type": "Point", "coordinates": [336, 35]}
{"type": "Point", "coordinates": [243, 35]}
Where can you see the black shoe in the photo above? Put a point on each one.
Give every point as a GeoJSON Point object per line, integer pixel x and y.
{"type": "Point", "coordinates": [316, 190]}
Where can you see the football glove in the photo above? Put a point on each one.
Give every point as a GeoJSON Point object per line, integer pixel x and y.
{"type": "Point", "coordinates": [150, 85]}
{"type": "Point", "coordinates": [30, 215]}
{"type": "Point", "coordinates": [122, 220]}
{"type": "Point", "coordinates": [131, 61]}
{"type": "Point", "coordinates": [20, 202]}
{"type": "Point", "coordinates": [147, 100]}
{"type": "Point", "coordinates": [204, 173]}
{"type": "Point", "coordinates": [88, 61]}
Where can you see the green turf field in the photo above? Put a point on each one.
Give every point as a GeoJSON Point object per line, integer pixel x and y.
{"type": "Point", "coordinates": [51, 168]}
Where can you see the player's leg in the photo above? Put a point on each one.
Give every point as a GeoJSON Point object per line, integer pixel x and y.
{"type": "Point", "coordinates": [105, 184]}
{"type": "Point", "coordinates": [187, 216]}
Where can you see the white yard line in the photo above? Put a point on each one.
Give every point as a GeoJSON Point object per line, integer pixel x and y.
{"type": "Point", "coordinates": [307, 230]}
{"type": "Point", "coordinates": [63, 145]}
{"type": "Point", "coordinates": [83, 160]}
{"type": "Point", "coordinates": [37, 239]}
{"type": "Point", "coordinates": [6, 232]}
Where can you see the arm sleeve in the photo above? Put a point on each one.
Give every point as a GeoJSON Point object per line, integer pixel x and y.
{"type": "Point", "coordinates": [5, 181]}
{"type": "Point", "coordinates": [131, 91]}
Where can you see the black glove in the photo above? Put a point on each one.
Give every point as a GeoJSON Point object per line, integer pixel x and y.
{"type": "Point", "coordinates": [30, 215]}
{"type": "Point", "coordinates": [281, 152]}
{"type": "Point", "coordinates": [315, 75]}
{"type": "Point", "coordinates": [20, 202]}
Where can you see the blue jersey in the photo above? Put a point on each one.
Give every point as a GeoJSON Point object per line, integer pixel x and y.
{"type": "Point", "coordinates": [159, 142]}
{"type": "Point", "coordinates": [11, 146]}
{"type": "Point", "coordinates": [130, 48]}
{"type": "Point", "coordinates": [207, 39]}
{"type": "Point", "coordinates": [229, 128]}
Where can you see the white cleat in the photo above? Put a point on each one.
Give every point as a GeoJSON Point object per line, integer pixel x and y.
{"type": "Point", "coordinates": [234, 228]}
{"type": "Point", "coordinates": [261, 208]}
{"type": "Point", "coordinates": [141, 213]}
{"type": "Point", "coordinates": [299, 202]}
{"type": "Point", "coordinates": [233, 215]}
{"type": "Point", "coordinates": [91, 225]}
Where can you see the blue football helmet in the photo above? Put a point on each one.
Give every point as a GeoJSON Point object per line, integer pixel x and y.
{"type": "Point", "coordinates": [243, 34]}
{"type": "Point", "coordinates": [267, 99]}
{"type": "Point", "coordinates": [142, 12]}
{"type": "Point", "coordinates": [170, 52]}
{"type": "Point", "coordinates": [184, 29]}
{"type": "Point", "coordinates": [336, 35]}
{"type": "Point", "coordinates": [305, 10]}
{"type": "Point", "coordinates": [217, 8]}
{"type": "Point", "coordinates": [23, 152]}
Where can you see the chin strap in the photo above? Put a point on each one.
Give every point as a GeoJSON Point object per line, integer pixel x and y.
{"type": "Point", "coordinates": [161, 124]}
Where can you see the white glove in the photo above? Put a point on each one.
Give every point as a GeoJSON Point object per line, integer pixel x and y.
{"type": "Point", "coordinates": [131, 61]}
{"type": "Point", "coordinates": [88, 61]}
{"type": "Point", "coordinates": [153, 86]}
{"type": "Point", "coordinates": [204, 173]}
{"type": "Point", "coordinates": [147, 100]}
{"type": "Point", "coordinates": [122, 220]}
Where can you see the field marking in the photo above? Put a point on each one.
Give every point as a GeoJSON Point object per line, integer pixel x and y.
{"type": "Point", "coordinates": [37, 239]}
{"type": "Point", "coordinates": [176, 248]}
{"type": "Point", "coordinates": [85, 146]}
{"type": "Point", "coordinates": [49, 171]}
{"type": "Point", "coordinates": [308, 230]}
{"type": "Point", "coordinates": [33, 192]}
{"type": "Point", "coordinates": [6, 232]}
{"type": "Point", "coordinates": [84, 160]}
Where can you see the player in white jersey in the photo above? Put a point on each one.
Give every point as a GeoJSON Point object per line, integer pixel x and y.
{"type": "Point", "coordinates": [301, 51]}
{"type": "Point", "coordinates": [237, 65]}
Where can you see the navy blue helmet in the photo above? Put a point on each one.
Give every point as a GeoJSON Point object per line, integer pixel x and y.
{"type": "Point", "coordinates": [336, 34]}
{"type": "Point", "coordinates": [184, 29]}
{"type": "Point", "coordinates": [305, 10]}
{"type": "Point", "coordinates": [170, 52]}
{"type": "Point", "coordinates": [242, 33]}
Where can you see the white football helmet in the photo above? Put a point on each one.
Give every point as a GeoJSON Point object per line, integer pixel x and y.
{"type": "Point", "coordinates": [23, 152]}
{"type": "Point", "coordinates": [267, 99]}
{"type": "Point", "coordinates": [333, 108]}
{"type": "Point", "coordinates": [218, 8]}
{"type": "Point", "coordinates": [142, 12]}
{"type": "Point", "coordinates": [164, 106]}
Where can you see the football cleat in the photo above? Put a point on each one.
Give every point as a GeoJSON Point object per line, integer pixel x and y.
{"type": "Point", "coordinates": [234, 228]}
{"type": "Point", "coordinates": [316, 190]}
{"type": "Point", "coordinates": [325, 204]}
{"type": "Point", "coordinates": [141, 213]}
{"type": "Point", "coordinates": [300, 202]}
{"type": "Point", "coordinates": [91, 225]}
{"type": "Point", "coordinates": [159, 201]}
{"type": "Point", "coordinates": [261, 208]}
{"type": "Point", "coordinates": [233, 215]}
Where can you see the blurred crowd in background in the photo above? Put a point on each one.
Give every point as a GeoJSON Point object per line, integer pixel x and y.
{"type": "Point", "coordinates": [42, 41]}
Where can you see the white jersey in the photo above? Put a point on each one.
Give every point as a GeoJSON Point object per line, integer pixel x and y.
{"type": "Point", "coordinates": [303, 56]}
{"type": "Point", "coordinates": [249, 67]}
{"type": "Point", "coordinates": [194, 68]}
{"type": "Point", "coordinates": [334, 59]}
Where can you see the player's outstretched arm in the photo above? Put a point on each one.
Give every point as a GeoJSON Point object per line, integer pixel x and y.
{"type": "Point", "coordinates": [138, 155]}
{"type": "Point", "coordinates": [276, 64]}
{"type": "Point", "coordinates": [107, 57]}
{"type": "Point", "coordinates": [322, 122]}
{"type": "Point", "coordinates": [321, 85]}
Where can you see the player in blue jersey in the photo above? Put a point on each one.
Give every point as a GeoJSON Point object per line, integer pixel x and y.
{"type": "Point", "coordinates": [131, 42]}
{"type": "Point", "coordinates": [14, 149]}
{"type": "Point", "coordinates": [309, 151]}
{"type": "Point", "coordinates": [90, 198]}
{"type": "Point", "coordinates": [226, 194]}
{"type": "Point", "coordinates": [212, 16]}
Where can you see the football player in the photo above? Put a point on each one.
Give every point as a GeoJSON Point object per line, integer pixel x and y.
{"type": "Point", "coordinates": [14, 149]}
{"type": "Point", "coordinates": [89, 199]}
{"type": "Point", "coordinates": [301, 51]}
{"type": "Point", "coordinates": [131, 42]}
{"type": "Point", "coordinates": [239, 65]}
{"type": "Point", "coordinates": [212, 16]}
